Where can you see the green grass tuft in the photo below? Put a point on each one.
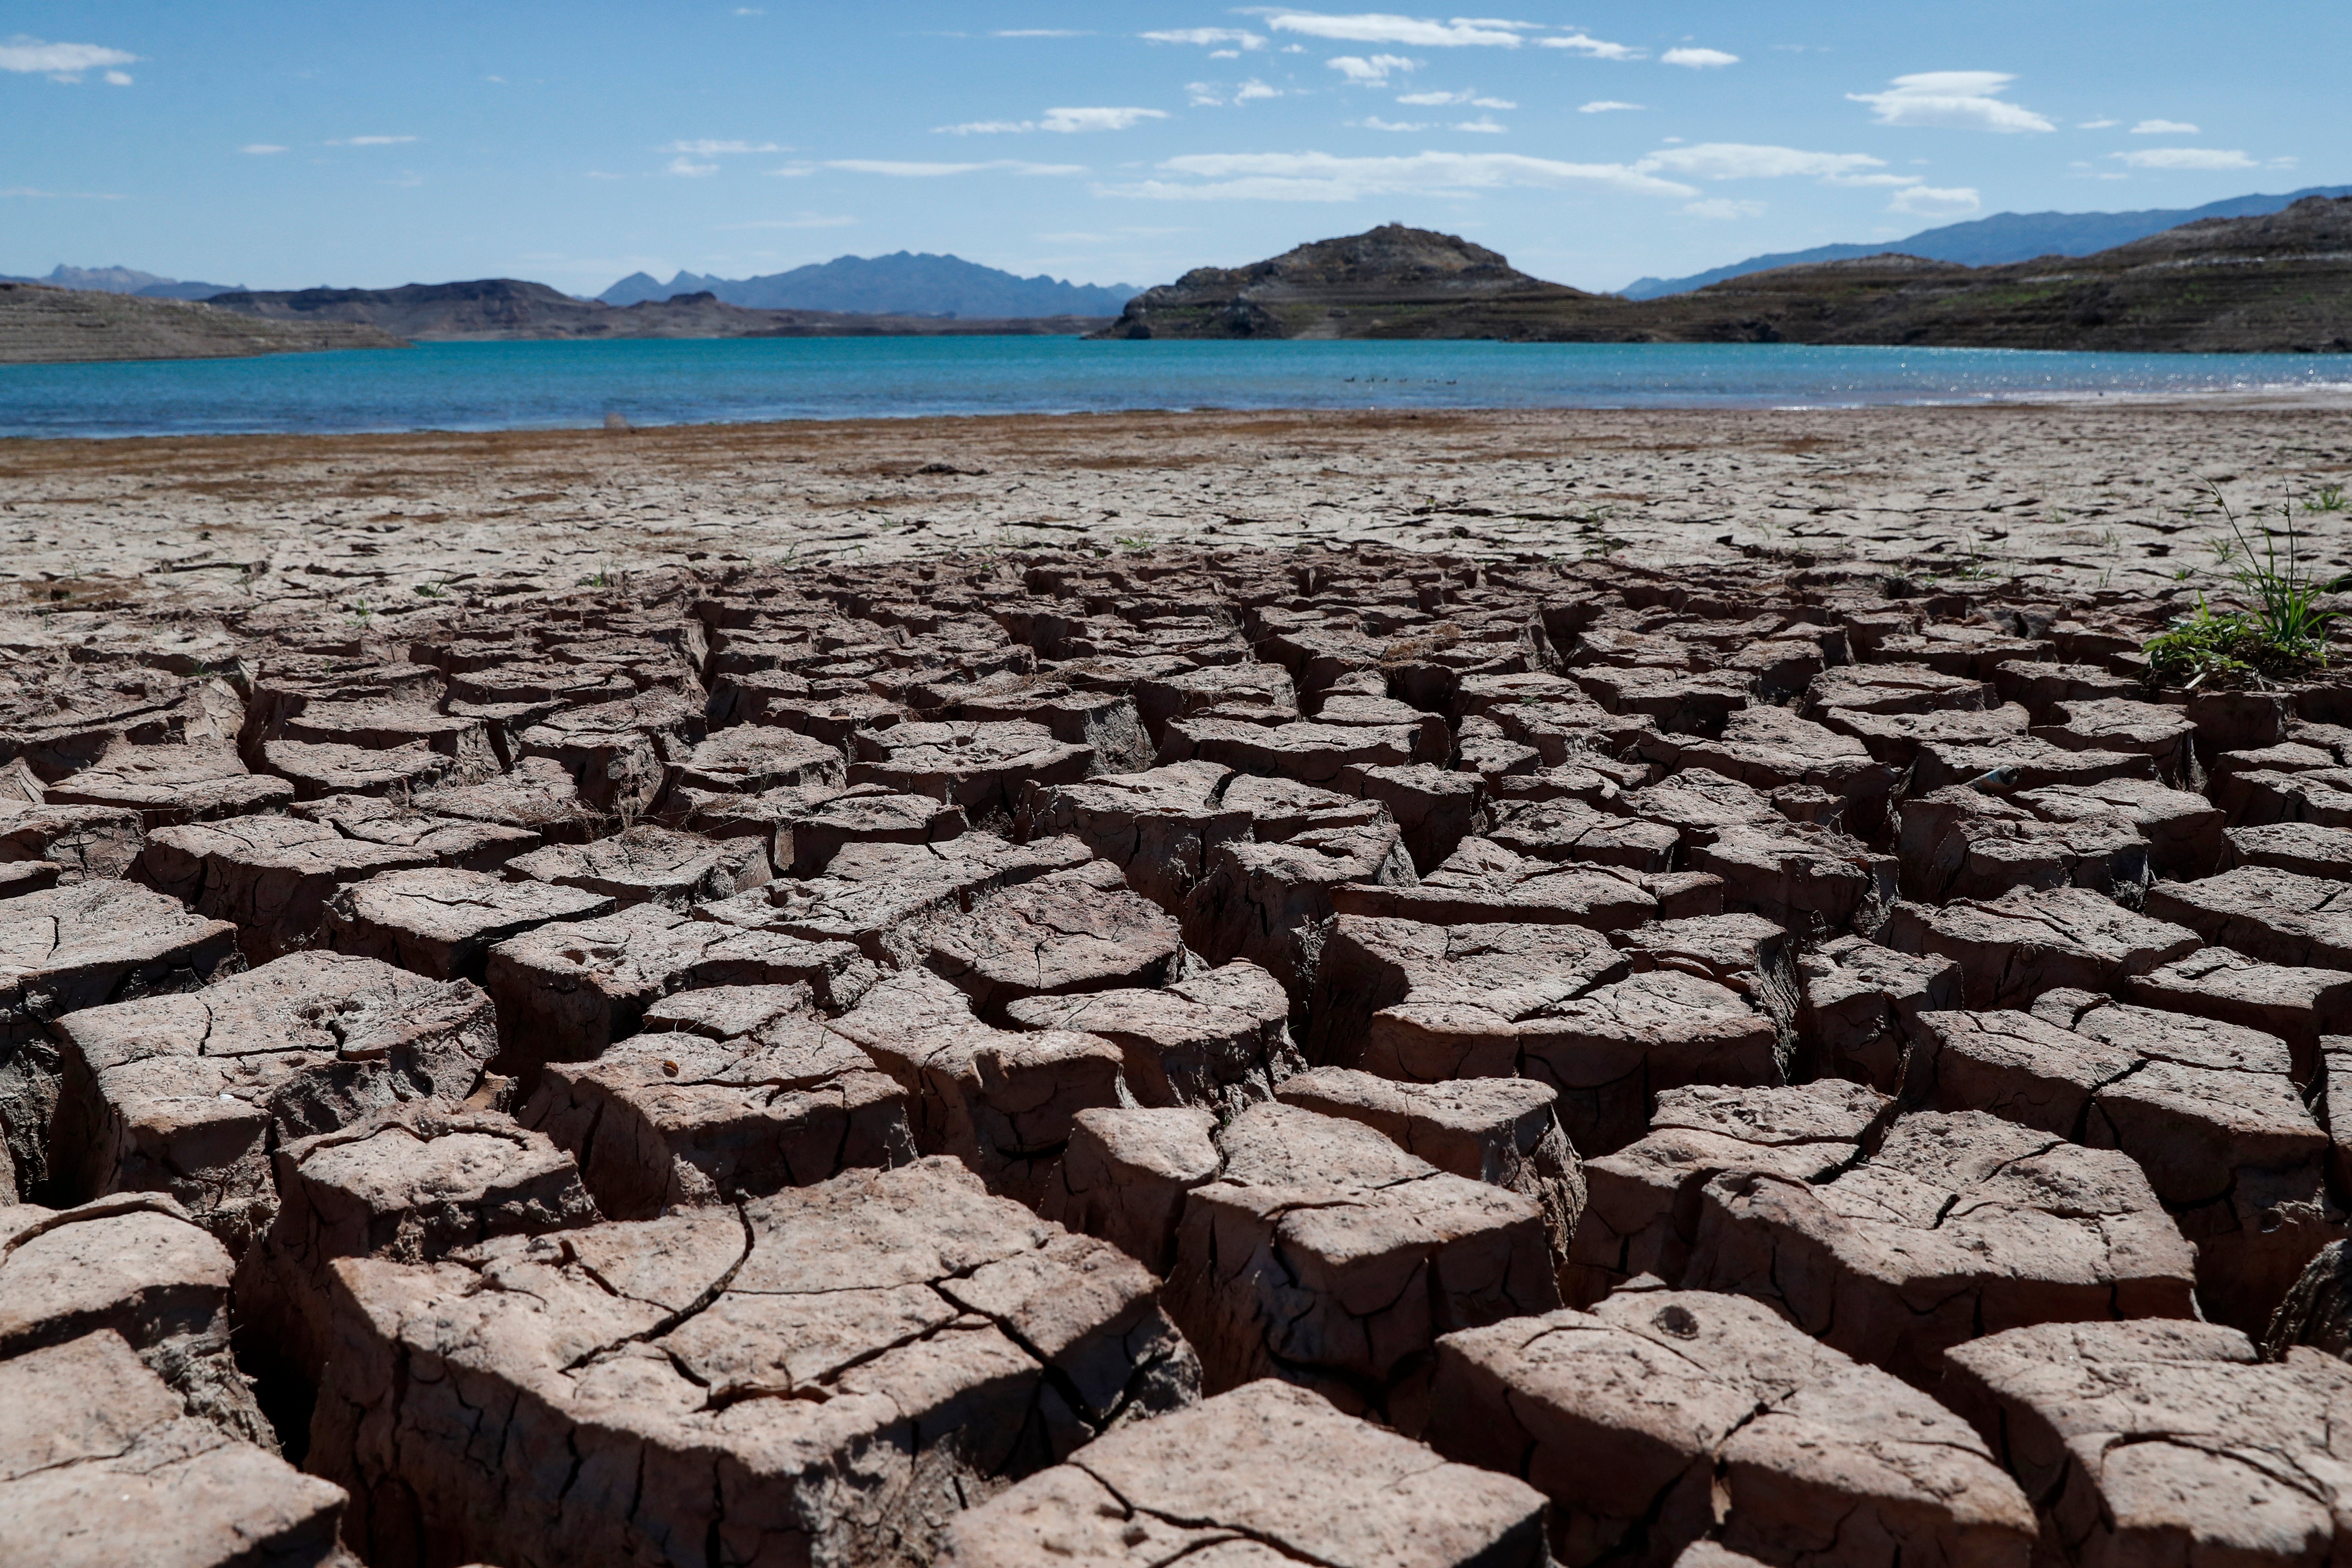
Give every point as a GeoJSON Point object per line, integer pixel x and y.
{"type": "Point", "coordinates": [2281, 635]}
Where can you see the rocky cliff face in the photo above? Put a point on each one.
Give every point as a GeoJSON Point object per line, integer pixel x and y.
{"type": "Point", "coordinates": [2277, 283]}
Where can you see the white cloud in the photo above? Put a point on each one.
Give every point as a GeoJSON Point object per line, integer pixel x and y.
{"type": "Point", "coordinates": [1372, 72]}
{"type": "Point", "coordinates": [1431, 99]}
{"type": "Point", "coordinates": [1253, 89]}
{"type": "Point", "coordinates": [1324, 177]}
{"type": "Point", "coordinates": [687, 168]}
{"type": "Point", "coordinates": [1592, 48]}
{"type": "Point", "coordinates": [1379, 27]}
{"type": "Point", "coordinates": [713, 149]}
{"type": "Point", "coordinates": [2098, 124]}
{"type": "Point", "coordinates": [2164, 128]}
{"type": "Point", "coordinates": [1952, 101]}
{"type": "Point", "coordinates": [1062, 120]}
{"type": "Point", "coordinates": [370, 141]}
{"type": "Point", "coordinates": [1724, 207]}
{"type": "Point", "coordinates": [904, 171]}
{"type": "Point", "coordinates": [1203, 94]}
{"type": "Point", "coordinates": [118, 79]}
{"type": "Point", "coordinates": [1740, 161]}
{"type": "Point", "coordinates": [261, 149]}
{"type": "Point", "coordinates": [1605, 106]}
{"type": "Point", "coordinates": [2186, 158]}
{"type": "Point", "coordinates": [60, 62]}
{"type": "Point", "coordinates": [1697, 59]}
{"type": "Point", "coordinates": [1926, 201]}
{"type": "Point", "coordinates": [1097, 118]}
{"type": "Point", "coordinates": [1870, 180]}
{"type": "Point", "coordinates": [1484, 124]}
{"type": "Point", "coordinates": [750, 10]}
{"type": "Point", "coordinates": [1375, 123]}
{"type": "Point", "coordinates": [1236, 36]}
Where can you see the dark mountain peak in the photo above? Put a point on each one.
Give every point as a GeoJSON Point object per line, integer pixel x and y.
{"type": "Point", "coordinates": [1391, 254]}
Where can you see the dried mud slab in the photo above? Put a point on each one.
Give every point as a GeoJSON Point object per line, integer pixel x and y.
{"type": "Point", "coordinates": [1266, 1474]}
{"type": "Point", "coordinates": [2162, 1442]}
{"type": "Point", "coordinates": [732, 1102]}
{"type": "Point", "coordinates": [1642, 1203]}
{"type": "Point", "coordinates": [269, 876]}
{"type": "Point", "coordinates": [99, 1467]}
{"type": "Point", "coordinates": [826, 1373]}
{"type": "Point", "coordinates": [72, 948]}
{"type": "Point", "coordinates": [1217, 1039]}
{"type": "Point", "coordinates": [1660, 1418]}
{"type": "Point", "coordinates": [2209, 1110]}
{"type": "Point", "coordinates": [1323, 1254]}
{"type": "Point", "coordinates": [444, 923]}
{"type": "Point", "coordinates": [138, 1268]}
{"type": "Point", "coordinates": [1958, 1226]}
{"type": "Point", "coordinates": [1070, 932]}
{"type": "Point", "coordinates": [414, 1184]}
{"type": "Point", "coordinates": [2013, 948]}
{"type": "Point", "coordinates": [187, 1094]}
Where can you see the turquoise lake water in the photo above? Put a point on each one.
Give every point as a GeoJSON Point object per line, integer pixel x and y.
{"type": "Point", "coordinates": [493, 387]}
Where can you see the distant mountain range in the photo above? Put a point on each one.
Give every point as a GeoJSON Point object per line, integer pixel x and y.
{"type": "Point", "coordinates": [126, 280]}
{"type": "Point", "coordinates": [903, 284]}
{"type": "Point", "coordinates": [1991, 241]}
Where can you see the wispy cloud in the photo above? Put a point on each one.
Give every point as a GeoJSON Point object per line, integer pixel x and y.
{"type": "Point", "coordinates": [1605, 106]}
{"type": "Point", "coordinates": [1325, 177]}
{"type": "Point", "coordinates": [1724, 207]}
{"type": "Point", "coordinates": [118, 79]}
{"type": "Point", "coordinates": [1742, 160]}
{"type": "Point", "coordinates": [1371, 72]}
{"type": "Point", "coordinates": [1065, 120]}
{"type": "Point", "coordinates": [1375, 123]}
{"type": "Point", "coordinates": [62, 62]}
{"type": "Point", "coordinates": [1927, 201]}
{"type": "Point", "coordinates": [33, 194]}
{"type": "Point", "coordinates": [2164, 128]}
{"type": "Point", "coordinates": [2184, 158]}
{"type": "Point", "coordinates": [261, 149]}
{"type": "Point", "coordinates": [1483, 125]}
{"type": "Point", "coordinates": [798, 220]}
{"type": "Point", "coordinates": [687, 168]}
{"type": "Point", "coordinates": [1380, 27]}
{"type": "Point", "coordinates": [1697, 59]}
{"type": "Point", "coordinates": [1593, 48]}
{"type": "Point", "coordinates": [407, 179]}
{"type": "Point", "coordinates": [1431, 99]}
{"type": "Point", "coordinates": [912, 171]}
{"type": "Point", "coordinates": [370, 141]}
{"type": "Point", "coordinates": [1254, 90]}
{"type": "Point", "coordinates": [1952, 101]}
{"type": "Point", "coordinates": [706, 149]}
{"type": "Point", "coordinates": [1208, 38]}
{"type": "Point", "coordinates": [2098, 124]}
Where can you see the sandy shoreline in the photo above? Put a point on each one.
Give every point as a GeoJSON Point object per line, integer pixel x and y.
{"type": "Point", "coordinates": [2071, 494]}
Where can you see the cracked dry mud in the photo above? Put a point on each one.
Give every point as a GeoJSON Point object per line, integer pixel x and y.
{"type": "Point", "coordinates": [1203, 1053]}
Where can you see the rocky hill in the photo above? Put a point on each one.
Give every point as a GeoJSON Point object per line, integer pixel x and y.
{"type": "Point", "coordinates": [44, 325]}
{"type": "Point", "coordinates": [1387, 282]}
{"type": "Point", "coordinates": [506, 309]}
{"type": "Point", "coordinates": [2274, 283]}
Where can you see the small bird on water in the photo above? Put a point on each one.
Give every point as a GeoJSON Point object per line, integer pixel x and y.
{"type": "Point", "coordinates": [1998, 780]}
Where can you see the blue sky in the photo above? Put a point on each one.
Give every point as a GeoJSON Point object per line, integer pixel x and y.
{"type": "Point", "coordinates": [281, 145]}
